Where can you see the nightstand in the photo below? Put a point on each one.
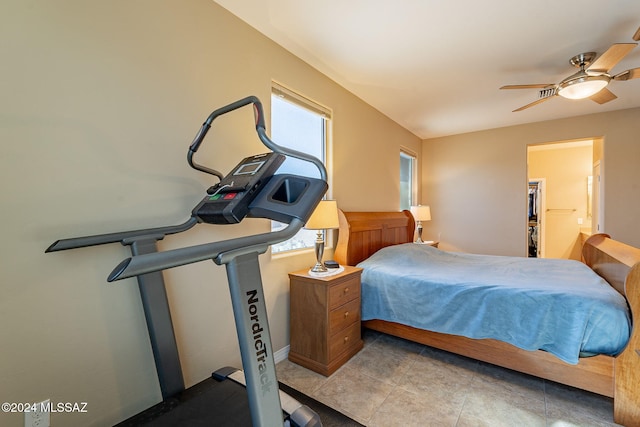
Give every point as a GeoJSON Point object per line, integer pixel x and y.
{"type": "Point", "coordinates": [325, 319]}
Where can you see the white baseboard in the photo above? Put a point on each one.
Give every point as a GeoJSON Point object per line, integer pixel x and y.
{"type": "Point", "coordinates": [281, 354]}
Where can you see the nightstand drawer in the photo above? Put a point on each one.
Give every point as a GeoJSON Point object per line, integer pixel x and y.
{"type": "Point", "coordinates": [343, 316]}
{"type": "Point", "coordinates": [344, 340]}
{"type": "Point", "coordinates": [343, 292]}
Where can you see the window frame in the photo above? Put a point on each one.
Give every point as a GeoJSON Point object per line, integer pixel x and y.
{"type": "Point", "coordinates": [304, 102]}
{"type": "Point", "coordinates": [413, 190]}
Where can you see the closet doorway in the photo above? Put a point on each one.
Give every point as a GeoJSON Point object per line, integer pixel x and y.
{"type": "Point", "coordinates": [536, 218]}
{"type": "Point", "coordinates": [560, 175]}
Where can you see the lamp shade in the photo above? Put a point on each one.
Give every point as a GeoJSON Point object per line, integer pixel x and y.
{"type": "Point", "coordinates": [583, 86]}
{"type": "Point", "coordinates": [324, 216]}
{"type": "Point", "coordinates": [421, 213]}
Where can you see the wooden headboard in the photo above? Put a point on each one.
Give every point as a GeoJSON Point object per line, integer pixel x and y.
{"type": "Point", "coordinates": [364, 233]}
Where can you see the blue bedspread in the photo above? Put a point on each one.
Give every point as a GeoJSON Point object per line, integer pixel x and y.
{"type": "Point", "coordinates": [560, 306]}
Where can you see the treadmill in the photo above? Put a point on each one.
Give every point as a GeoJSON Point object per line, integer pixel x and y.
{"type": "Point", "coordinates": [252, 189]}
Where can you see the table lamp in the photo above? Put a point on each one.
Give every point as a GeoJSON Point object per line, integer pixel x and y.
{"type": "Point", "coordinates": [420, 213]}
{"type": "Point", "coordinates": [325, 216]}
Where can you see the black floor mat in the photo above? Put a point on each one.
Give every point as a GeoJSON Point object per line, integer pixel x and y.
{"type": "Point", "coordinates": [329, 416]}
{"type": "Point", "coordinates": [213, 403]}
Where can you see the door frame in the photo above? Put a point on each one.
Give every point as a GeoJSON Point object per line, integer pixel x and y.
{"type": "Point", "coordinates": [597, 198]}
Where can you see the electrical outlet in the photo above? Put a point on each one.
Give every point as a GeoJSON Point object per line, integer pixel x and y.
{"type": "Point", "coordinates": [38, 416]}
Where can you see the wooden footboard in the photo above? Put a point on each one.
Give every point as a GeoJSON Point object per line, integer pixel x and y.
{"type": "Point", "coordinates": [363, 233]}
{"type": "Point", "coordinates": [619, 265]}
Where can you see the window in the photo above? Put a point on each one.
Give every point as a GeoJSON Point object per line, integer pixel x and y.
{"type": "Point", "coordinates": [300, 124]}
{"type": "Point", "coordinates": [408, 180]}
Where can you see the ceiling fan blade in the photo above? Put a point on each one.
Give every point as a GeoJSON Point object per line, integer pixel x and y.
{"type": "Point", "coordinates": [532, 104]}
{"type": "Point", "coordinates": [533, 86]}
{"type": "Point", "coordinates": [611, 57]}
{"type": "Point", "coordinates": [636, 36]}
{"type": "Point", "coordinates": [605, 95]}
{"type": "Point", "coordinates": [628, 75]}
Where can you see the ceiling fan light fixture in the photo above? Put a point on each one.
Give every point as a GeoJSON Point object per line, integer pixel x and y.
{"type": "Point", "coordinates": [583, 86]}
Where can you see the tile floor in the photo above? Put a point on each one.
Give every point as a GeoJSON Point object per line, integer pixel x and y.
{"type": "Point", "coordinates": [393, 382]}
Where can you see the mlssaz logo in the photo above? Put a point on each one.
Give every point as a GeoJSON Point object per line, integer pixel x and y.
{"type": "Point", "coordinates": [258, 343]}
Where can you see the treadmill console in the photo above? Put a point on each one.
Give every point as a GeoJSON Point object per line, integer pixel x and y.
{"type": "Point", "coordinates": [228, 201]}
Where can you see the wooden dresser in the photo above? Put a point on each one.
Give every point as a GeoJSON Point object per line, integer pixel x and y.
{"type": "Point", "coordinates": [325, 319]}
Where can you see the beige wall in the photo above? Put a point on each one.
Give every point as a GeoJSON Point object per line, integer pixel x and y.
{"type": "Point", "coordinates": [100, 102]}
{"type": "Point", "coordinates": [475, 182]}
{"type": "Point", "coordinates": [565, 169]}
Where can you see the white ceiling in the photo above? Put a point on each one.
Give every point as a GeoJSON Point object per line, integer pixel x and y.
{"type": "Point", "coordinates": [435, 66]}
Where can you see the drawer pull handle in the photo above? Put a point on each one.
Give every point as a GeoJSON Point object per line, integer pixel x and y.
{"type": "Point", "coordinates": [346, 290]}
{"type": "Point", "coordinates": [346, 339]}
{"type": "Point", "coordinates": [346, 314]}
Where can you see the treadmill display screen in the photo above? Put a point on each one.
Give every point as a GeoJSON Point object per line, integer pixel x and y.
{"type": "Point", "coordinates": [249, 168]}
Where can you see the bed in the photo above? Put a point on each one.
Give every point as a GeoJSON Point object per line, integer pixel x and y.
{"type": "Point", "coordinates": [362, 234]}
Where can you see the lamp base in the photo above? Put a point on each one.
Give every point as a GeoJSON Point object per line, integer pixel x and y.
{"type": "Point", "coordinates": [419, 227]}
{"type": "Point", "coordinates": [319, 267]}
{"type": "Point", "coordinates": [330, 272]}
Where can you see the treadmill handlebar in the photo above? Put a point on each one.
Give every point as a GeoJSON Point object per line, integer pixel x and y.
{"type": "Point", "coordinates": [258, 113]}
{"type": "Point", "coordinates": [292, 153]}
{"type": "Point", "coordinates": [219, 252]}
{"type": "Point", "coordinates": [262, 134]}
{"type": "Point", "coordinates": [125, 237]}
{"type": "Point", "coordinates": [193, 148]}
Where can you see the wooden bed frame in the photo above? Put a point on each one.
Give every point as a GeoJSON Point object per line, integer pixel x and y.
{"type": "Point", "coordinates": [363, 233]}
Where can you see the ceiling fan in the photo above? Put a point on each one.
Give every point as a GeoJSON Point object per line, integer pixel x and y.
{"type": "Point", "coordinates": [591, 80]}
